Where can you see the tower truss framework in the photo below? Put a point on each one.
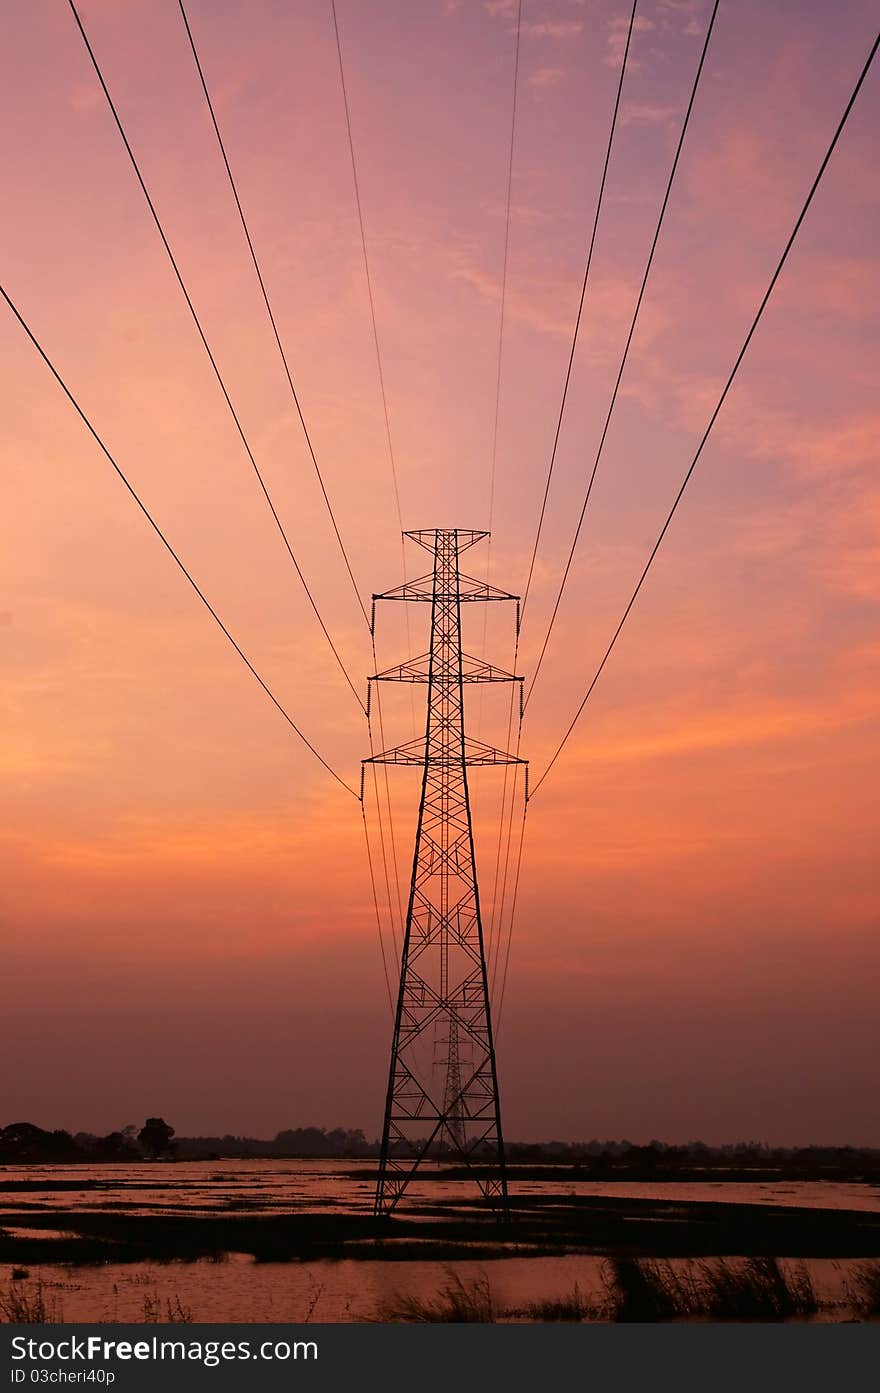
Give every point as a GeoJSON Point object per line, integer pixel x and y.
{"type": "Point", "coordinates": [442, 1098]}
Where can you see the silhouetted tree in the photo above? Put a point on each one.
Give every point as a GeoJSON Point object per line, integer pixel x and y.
{"type": "Point", "coordinates": [155, 1137]}
{"type": "Point", "coordinates": [116, 1146]}
{"type": "Point", "coordinates": [25, 1144]}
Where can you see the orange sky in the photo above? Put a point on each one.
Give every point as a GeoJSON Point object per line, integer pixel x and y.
{"type": "Point", "coordinates": [185, 901]}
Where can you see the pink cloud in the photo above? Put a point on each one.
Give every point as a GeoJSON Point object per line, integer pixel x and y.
{"type": "Point", "coordinates": [552, 29]}
{"type": "Point", "coordinates": [545, 77]}
{"type": "Point", "coordinates": [644, 114]}
{"type": "Point", "coordinates": [616, 40]}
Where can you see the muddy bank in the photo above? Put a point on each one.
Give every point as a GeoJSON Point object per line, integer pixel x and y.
{"type": "Point", "coordinates": [541, 1225]}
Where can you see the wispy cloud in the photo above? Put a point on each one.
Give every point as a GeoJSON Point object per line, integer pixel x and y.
{"type": "Point", "coordinates": [553, 29]}
{"type": "Point", "coordinates": [540, 311]}
{"type": "Point", "coordinates": [616, 41]}
{"type": "Point", "coordinates": [644, 114]}
{"type": "Point", "coordinates": [757, 725]}
{"type": "Point", "coordinates": [688, 16]}
{"type": "Point", "coordinates": [545, 77]}
{"type": "Point", "coordinates": [547, 304]}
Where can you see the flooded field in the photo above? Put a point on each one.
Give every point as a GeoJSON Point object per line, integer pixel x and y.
{"type": "Point", "coordinates": [266, 1187]}
{"type": "Point", "coordinates": [240, 1290]}
{"type": "Point", "coordinates": [296, 1241]}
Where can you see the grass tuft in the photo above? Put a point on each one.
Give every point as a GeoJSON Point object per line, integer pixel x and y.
{"type": "Point", "coordinates": [863, 1289]}
{"type": "Point", "coordinates": [26, 1303]}
{"type": "Point", "coordinates": [456, 1302]}
{"type": "Point", "coordinates": [575, 1307]}
{"type": "Point", "coordinates": [643, 1290]}
{"type": "Point", "coordinates": [646, 1290]}
{"type": "Point", "coordinates": [173, 1313]}
{"type": "Point", "coordinates": [758, 1289]}
{"type": "Point", "coordinates": [753, 1290]}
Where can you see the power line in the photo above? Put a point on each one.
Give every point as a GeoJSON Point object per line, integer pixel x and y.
{"type": "Point", "coordinates": [165, 542]}
{"type": "Point", "coordinates": [577, 323]}
{"type": "Point", "coordinates": [497, 916]}
{"type": "Point", "coordinates": [626, 348]}
{"type": "Point", "coordinates": [500, 919]}
{"type": "Point", "coordinates": [392, 836]}
{"type": "Point", "coordinates": [388, 898]}
{"type": "Point", "coordinates": [504, 273]}
{"type": "Point", "coordinates": [211, 357]}
{"type": "Point", "coordinates": [380, 823]}
{"type": "Point", "coordinates": [369, 280]}
{"type": "Point", "coordinates": [357, 197]}
{"type": "Point", "coordinates": [721, 400]}
{"type": "Point", "coordinates": [376, 907]}
{"type": "Point", "coordinates": [497, 911]}
{"type": "Point", "coordinates": [269, 309]}
{"type": "Point", "coordinates": [519, 858]}
{"type": "Point", "coordinates": [494, 456]}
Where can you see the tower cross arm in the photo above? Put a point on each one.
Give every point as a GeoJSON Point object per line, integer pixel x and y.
{"type": "Point", "coordinates": [464, 537]}
{"type": "Point", "coordinates": [419, 670]}
{"type": "Point", "coordinates": [425, 589]}
{"type": "Point", "coordinates": [475, 753]}
{"type": "Point", "coordinates": [422, 588]}
{"type": "Point", "coordinates": [471, 589]}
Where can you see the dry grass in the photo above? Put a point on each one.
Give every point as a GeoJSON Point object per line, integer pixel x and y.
{"type": "Point", "coordinates": [755, 1289]}
{"type": "Point", "coordinates": [863, 1290]}
{"type": "Point", "coordinates": [457, 1302]}
{"type": "Point", "coordinates": [646, 1290]}
{"type": "Point", "coordinates": [26, 1303]}
{"type": "Point", "coordinates": [641, 1290]}
{"type": "Point", "coordinates": [758, 1289]}
{"type": "Point", "coordinates": [575, 1307]}
{"type": "Point", "coordinates": [172, 1313]}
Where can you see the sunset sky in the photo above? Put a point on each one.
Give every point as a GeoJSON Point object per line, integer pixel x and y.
{"type": "Point", "coordinates": [187, 924]}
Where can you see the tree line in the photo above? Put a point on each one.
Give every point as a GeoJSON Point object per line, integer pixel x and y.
{"type": "Point", "coordinates": [23, 1143]}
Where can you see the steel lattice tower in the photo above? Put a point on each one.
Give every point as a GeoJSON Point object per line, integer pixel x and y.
{"type": "Point", "coordinates": [446, 1103]}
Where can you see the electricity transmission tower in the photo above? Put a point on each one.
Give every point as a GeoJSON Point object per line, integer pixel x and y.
{"type": "Point", "coordinates": [443, 1102]}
